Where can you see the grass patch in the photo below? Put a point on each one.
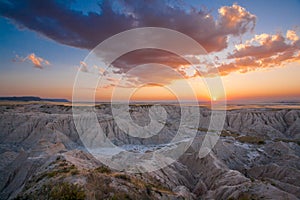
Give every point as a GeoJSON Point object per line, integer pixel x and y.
{"type": "Point", "coordinates": [202, 129]}
{"type": "Point", "coordinates": [206, 130]}
{"type": "Point", "coordinates": [61, 167]}
{"type": "Point", "coordinates": [58, 172]}
{"type": "Point", "coordinates": [123, 177]}
{"type": "Point", "coordinates": [100, 187]}
{"type": "Point", "coordinates": [55, 191]}
{"type": "Point", "coordinates": [66, 191]}
{"type": "Point", "coordinates": [74, 172]}
{"type": "Point", "coordinates": [226, 133]}
{"type": "Point", "coordinates": [156, 186]}
{"type": "Point", "coordinates": [120, 196]}
{"type": "Point", "coordinates": [247, 196]}
{"type": "Point", "coordinates": [103, 169]}
{"type": "Point", "coordinates": [287, 140]}
{"type": "Point", "coordinates": [251, 139]}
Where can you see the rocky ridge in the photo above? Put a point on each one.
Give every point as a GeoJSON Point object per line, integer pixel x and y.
{"type": "Point", "coordinates": [257, 156]}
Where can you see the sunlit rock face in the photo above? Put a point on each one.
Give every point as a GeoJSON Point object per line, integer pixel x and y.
{"type": "Point", "coordinates": [257, 155]}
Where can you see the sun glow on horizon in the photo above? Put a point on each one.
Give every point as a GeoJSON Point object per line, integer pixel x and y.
{"type": "Point", "coordinates": [256, 59]}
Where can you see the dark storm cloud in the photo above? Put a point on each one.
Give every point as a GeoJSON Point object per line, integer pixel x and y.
{"type": "Point", "coordinates": [56, 20]}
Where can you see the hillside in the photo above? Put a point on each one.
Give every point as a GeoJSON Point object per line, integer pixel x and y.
{"type": "Point", "coordinates": [42, 156]}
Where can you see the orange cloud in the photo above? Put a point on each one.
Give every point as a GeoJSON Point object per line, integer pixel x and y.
{"type": "Point", "coordinates": [291, 35]}
{"type": "Point", "coordinates": [262, 46]}
{"type": "Point", "coordinates": [37, 62]}
{"type": "Point", "coordinates": [261, 52]}
{"type": "Point", "coordinates": [236, 19]}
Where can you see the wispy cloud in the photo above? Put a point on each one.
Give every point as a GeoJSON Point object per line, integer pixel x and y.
{"type": "Point", "coordinates": [83, 67]}
{"type": "Point", "coordinates": [37, 62]}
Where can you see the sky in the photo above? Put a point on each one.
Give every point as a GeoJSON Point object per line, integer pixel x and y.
{"type": "Point", "coordinates": [254, 45]}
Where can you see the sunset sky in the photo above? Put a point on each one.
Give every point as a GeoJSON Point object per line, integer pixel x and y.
{"type": "Point", "coordinates": [254, 44]}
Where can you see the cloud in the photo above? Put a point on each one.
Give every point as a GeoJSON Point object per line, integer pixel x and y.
{"type": "Point", "coordinates": [155, 74]}
{"type": "Point", "coordinates": [56, 20]}
{"type": "Point", "coordinates": [261, 46]}
{"type": "Point", "coordinates": [236, 20]}
{"type": "Point", "coordinates": [262, 52]}
{"type": "Point", "coordinates": [37, 62]}
{"type": "Point", "coordinates": [59, 22]}
{"type": "Point", "coordinates": [291, 35]}
{"type": "Point", "coordinates": [83, 67]}
{"type": "Point", "coordinates": [140, 57]}
{"type": "Point", "coordinates": [151, 73]}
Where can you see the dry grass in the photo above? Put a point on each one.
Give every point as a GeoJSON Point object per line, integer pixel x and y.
{"type": "Point", "coordinates": [103, 169]}
{"type": "Point", "coordinates": [57, 190]}
{"type": "Point", "coordinates": [226, 133]}
{"type": "Point", "coordinates": [287, 140]}
{"type": "Point", "coordinates": [251, 139]}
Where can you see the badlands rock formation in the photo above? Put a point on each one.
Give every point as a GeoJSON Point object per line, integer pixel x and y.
{"type": "Point", "coordinates": [43, 157]}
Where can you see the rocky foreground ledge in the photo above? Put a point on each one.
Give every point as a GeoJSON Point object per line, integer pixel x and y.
{"type": "Point", "coordinates": [42, 157]}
